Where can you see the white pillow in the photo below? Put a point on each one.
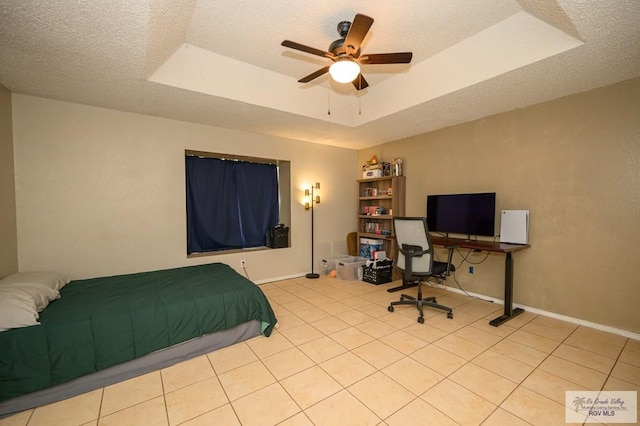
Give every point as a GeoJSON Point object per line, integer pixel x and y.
{"type": "Point", "coordinates": [49, 279]}
{"type": "Point", "coordinates": [39, 293]}
{"type": "Point", "coordinates": [17, 309]}
{"type": "Point", "coordinates": [41, 287]}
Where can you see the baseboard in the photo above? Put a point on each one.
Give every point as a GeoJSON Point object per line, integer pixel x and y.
{"type": "Point", "coordinates": [271, 280]}
{"type": "Point", "coordinates": [578, 321]}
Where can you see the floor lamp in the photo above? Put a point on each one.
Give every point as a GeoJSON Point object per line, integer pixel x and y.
{"type": "Point", "coordinates": [311, 200]}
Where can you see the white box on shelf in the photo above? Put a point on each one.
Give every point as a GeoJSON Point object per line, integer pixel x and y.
{"type": "Point", "coordinates": [368, 174]}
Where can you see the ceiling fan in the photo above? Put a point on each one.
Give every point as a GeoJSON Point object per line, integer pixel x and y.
{"type": "Point", "coordinates": [346, 56]}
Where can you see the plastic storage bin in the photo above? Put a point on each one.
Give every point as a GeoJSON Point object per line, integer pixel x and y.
{"type": "Point", "coordinates": [350, 268]}
{"type": "Point", "coordinates": [328, 264]}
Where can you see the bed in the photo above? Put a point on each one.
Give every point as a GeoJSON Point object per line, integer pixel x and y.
{"type": "Point", "coordinates": [104, 330]}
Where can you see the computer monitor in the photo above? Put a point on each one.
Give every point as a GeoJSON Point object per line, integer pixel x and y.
{"type": "Point", "coordinates": [468, 214]}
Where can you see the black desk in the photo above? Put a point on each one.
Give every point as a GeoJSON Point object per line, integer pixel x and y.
{"type": "Point", "coordinates": [508, 249]}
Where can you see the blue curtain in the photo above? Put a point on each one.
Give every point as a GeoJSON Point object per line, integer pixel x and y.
{"type": "Point", "coordinates": [230, 204]}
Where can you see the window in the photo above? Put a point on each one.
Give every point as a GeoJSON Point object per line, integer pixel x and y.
{"type": "Point", "coordinates": [232, 201]}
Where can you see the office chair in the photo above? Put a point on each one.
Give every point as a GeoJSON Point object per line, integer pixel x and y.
{"type": "Point", "coordinates": [415, 259]}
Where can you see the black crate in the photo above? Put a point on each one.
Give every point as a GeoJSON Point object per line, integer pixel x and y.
{"type": "Point", "coordinates": [378, 274]}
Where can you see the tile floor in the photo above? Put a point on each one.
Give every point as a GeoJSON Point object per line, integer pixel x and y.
{"type": "Point", "coordinates": [340, 358]}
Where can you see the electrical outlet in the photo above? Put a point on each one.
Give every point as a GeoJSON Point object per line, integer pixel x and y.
{"type": "Point", "coordinates": [243, 263]}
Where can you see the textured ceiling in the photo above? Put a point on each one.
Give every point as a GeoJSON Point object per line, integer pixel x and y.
{"type": "Point", "coordinates": [221, 63]}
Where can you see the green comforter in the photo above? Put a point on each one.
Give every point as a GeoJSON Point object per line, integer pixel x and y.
{"type": "Point", "coordinates": [101, 322]}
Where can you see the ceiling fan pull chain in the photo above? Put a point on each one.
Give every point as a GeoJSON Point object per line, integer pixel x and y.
{"type": "Point", "coordinates": [328, 101]}
{"type": "Point", "coordinates": [360, 97]}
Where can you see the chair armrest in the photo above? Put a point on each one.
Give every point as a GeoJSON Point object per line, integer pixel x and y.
{"type": "Point", "coordinates": [451, 248]}
{"type": "Point", "coordinates": [412, 253]}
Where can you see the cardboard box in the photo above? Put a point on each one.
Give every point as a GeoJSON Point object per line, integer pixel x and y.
{"type": "Point", "coordinates": [368, 246]}
{"type": "Point", "coordinates": [377, 166]}
{"type": "Point", "coordinates": [368, 174]}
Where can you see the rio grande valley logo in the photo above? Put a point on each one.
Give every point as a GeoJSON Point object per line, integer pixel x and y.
{"type": "Point", "coordinates": [599, 407]}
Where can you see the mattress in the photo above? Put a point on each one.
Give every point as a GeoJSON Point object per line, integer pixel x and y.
{"type": "Point", "coordinates": [103, 322]}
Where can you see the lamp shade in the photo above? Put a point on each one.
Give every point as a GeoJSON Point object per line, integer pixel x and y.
{"type": "Point", "coordinates": [344, 70]}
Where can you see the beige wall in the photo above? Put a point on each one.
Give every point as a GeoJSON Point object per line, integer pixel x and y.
{"type": "Point", "coordinates": [8, 238]}
{"type": "Point", "coordinates": [574, 163]}
{"type": "Point", "coordinates": [101, 192]}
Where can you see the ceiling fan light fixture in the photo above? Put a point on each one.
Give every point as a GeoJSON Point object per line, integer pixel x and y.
{"type": "Point", "coordinates": [345, 53]}
{"type": "Point", "coordinates": [344, 70]}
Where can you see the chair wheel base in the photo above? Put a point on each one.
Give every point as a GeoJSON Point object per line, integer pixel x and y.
{"type": "Point", "coordinates": [420, 303]}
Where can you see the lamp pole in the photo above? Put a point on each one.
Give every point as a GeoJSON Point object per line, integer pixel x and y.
{"type": "Point", "coordinates": [309, 205]}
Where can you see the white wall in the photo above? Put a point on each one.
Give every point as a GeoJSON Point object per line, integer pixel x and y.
{"type": "Point", "coordinates": [102, 192]}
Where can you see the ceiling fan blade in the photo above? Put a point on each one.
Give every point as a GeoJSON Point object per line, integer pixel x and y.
{"type": "Point", "coordinates": [314, 75]}
{"type": "Point", "coordinates": [386, 58]}
{"type": "Point", "coordinates": [357, 33]}
{"type": "Point", "coordinates": [360, 83]}
{"type": "Point", "coordinates": [307, 49]}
